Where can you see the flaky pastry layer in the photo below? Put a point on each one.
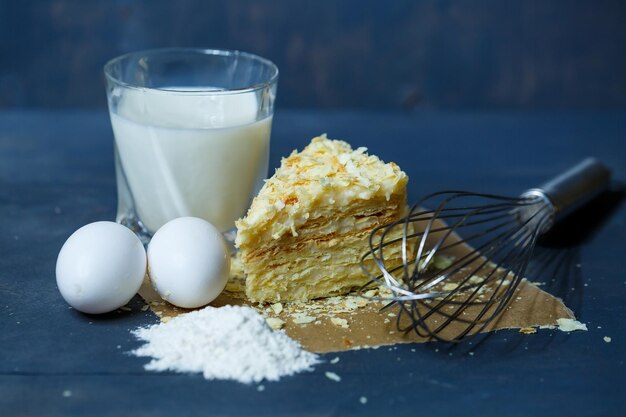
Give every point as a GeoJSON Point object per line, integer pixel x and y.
{"type": "Point", "coordinates": [305, 233]}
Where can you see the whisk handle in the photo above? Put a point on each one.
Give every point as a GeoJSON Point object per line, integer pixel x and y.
{"type": "Point", "coordinates": [575, 187]}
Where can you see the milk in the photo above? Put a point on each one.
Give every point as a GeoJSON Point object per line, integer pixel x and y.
{"type": "Point", "coordinates": [189, 155]}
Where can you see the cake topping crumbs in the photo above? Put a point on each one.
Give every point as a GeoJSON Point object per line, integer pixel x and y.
{"type": "Point", "coordinates": [528, 330]}
{"type": "Point", "coordinates": [607, 339]}
{"type": "Point", "coordinates": [278, 307]}
{"type": "Point", "coordinates": [340, 322]}
{"type": "Point", "coordinates": [333, 376]}
{"type": "Point", "coordinates": [275, 323]}
{"type": "Point", "coordinates": [323, 168]}
{"type": "Point", "coordinates": [363, 400]}
{"type": "Point", "coordinates": [570, 325]}
{"type": "Point", "coordinates": [442, 261]}
{"type": "Point", "coordinates": [370, 293]}
{"type": "Point", "coordinates": [301, 318]}
{"type": "Point", "coordinates": [334, 360]}
{"type": "Point", "coordinates": [475, 279]}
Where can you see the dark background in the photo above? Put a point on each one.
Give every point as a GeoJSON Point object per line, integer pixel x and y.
{"type": "Point", "coordinates": [354, 54]}
{"type": "Point", "coordinates": [492, 96]}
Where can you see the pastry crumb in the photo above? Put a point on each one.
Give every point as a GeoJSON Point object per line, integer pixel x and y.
{"type": "Point", "coordinates": [371, 293]}
{"type": "Point", "coordinates": [570, 325]}
{"type": "Point", "coordinates": [475, 279]}
{"type": "Point", "coordinates": [334, 360]}
{"type": "Point", "coordinates": [277, 308]}
{"type": "Point", "coordinates": [302, 319]}
{"type": "Point", "coordinates": [339, 322]}
{"type": "Point", "coordinates": [363, 400]}
{"type": "Point", "coordinates": [607, 339]}
{"type": "Point", "coordinates": [275, 323]}
{"type": "Point", "coordinates": [528, 330]}
{"type": "Point", "coordinates": [333, 376]}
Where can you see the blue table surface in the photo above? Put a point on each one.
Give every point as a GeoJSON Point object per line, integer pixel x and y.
{"type": "Point", "coordinates": [56, 174]}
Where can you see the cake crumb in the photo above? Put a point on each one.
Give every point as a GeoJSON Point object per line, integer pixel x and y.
{"type": "Point", "coordinates": [334, 360]}
{"type": "Point", "coordinates": [361, 302]}
{"type": "Point", "coordinates": [363, 400]}
{"type": "Point", "coordinates": [528, 330]}
{"type": "Point", "coordinates": [370, 293]}
{"type": "Point", "coordinates": [340, 322]}
{"type": "Point", "coordinates": [67, 393]}
{"type": "Point", "coordinates": [145, 307]}
{"type": "Point", "coordinates": [475, 279]}
{"type": "Point", "coordinates": [260, 388]}
{"type": "Point", "coordinates": [607, 339]}
{"type": "Point", "coordinates": [442, 261]}
{"type": "Point", "coordinates": [450, 286]}
{"type": "Point", "coordinates": [275, 323]}
{"type": "Point", "coordinates": [333, 376]}
{"type": "Point", "coordinates": [570, 325]}
{"type": "Point", "coordinates": [277, 308]}
{"type": "Point", "coordinates": [302, 319]}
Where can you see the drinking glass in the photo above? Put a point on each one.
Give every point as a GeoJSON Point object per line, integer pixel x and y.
{"type": "Point", "coordinates": [192, 134]}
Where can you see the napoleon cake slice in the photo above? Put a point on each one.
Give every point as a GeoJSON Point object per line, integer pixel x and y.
{"type": "Point", "coordinates": [305, 233]}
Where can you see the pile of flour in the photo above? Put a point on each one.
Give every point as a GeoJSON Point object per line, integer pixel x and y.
{"type": "Point", "coordinates": [230, 342]}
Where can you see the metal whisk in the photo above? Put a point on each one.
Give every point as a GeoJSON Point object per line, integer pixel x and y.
{"type": "Point", "coordinates": [462, 260]}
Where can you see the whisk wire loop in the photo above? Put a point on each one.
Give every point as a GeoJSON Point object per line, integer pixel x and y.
{"type": "Point", "coordinates": [432, 297]}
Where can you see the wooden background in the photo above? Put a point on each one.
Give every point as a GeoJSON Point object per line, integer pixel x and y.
{"type": "Point", "coordinates": [353, 54]}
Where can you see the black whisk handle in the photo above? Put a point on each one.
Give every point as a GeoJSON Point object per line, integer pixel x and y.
{"type": "Point", "coordinates": [576, 186]}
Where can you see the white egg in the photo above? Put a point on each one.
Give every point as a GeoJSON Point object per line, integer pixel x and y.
{"type": "Point", "coordinates": [188, 262]}
{"type": "Point", "coordinates": [100, 267]}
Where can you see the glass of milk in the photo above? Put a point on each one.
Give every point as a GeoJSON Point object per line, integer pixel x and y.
{"type": "Point", "coordinates": [192, 133]}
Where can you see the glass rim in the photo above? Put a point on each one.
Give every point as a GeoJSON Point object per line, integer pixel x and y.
{"type": "Point", "coordinates": [203, 51]}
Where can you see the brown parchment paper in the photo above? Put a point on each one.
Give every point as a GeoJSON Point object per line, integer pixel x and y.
{"type": "Point", "coordinates": [368, 326]}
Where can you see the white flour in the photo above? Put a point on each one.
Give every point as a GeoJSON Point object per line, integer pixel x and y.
{"type": "Point", "coordinates": [229, 342]}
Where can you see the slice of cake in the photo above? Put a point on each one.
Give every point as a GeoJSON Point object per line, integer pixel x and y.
{"type": "Point", "coordinates": [305, 233]}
